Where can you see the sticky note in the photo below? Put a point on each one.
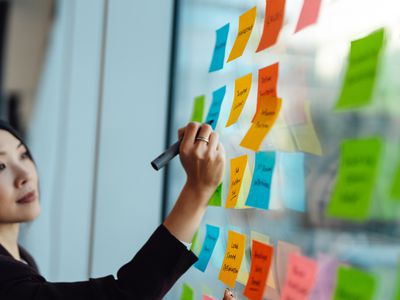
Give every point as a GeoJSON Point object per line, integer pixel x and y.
{"type": "Point", "coordinates": [243, 274]}
{"type": "Point", "coordinates": [206, 297]}
{"type": "Point", "coordinates": [215, 108]}
{"type": "Point", "coordinates": [244, 189]}
{"type": "Point", "coordinates": [352, 284]}
{"type": "Point", "coordinates": [212, 234]}
{"type": "Point", "coordinates": [291, 171]}
{"type": "Point", "coordinates": [261, 182]}
{"type": "Point", "coordinates": [326, 275]}
{"type": "Point", "coordinates": [352, 195]}
{"type": "Point", "coordinates": [305, 135]}
{"type": "Point", "coordinates": [283, 251]}
{"type": "Point", "coordinates": [233, 258]}
{"type": "Point", "coordinates": [246, 23]}
{"type": "Point", "coordinates": [267, 83]}
{"type": "Point", "coordinates": [242, 89]}
{"type": "Point", "coordinates": [360, 77]}
{"type": "Point", "coordinates": [264, 119]}
{"type": "Point", "coordinates": [273, 21]}
{"type": "Point", "coordinates": [218, 58]}
{"type": "Point", "coordinates": [195, 245]}
{"type": "Point", "coordinates": [395, 188]}
{"type": "Point", "coordinates": [397, 286]}
{"type": "Point", "coordinates": [309, 14]}
{"type": "Point", "coordinates": [216, 198]}
{"type": "Point", "coordinates": [198, 109]}
{"type": "Point", "coordinates": [238, 167]}
{"type": "Point", "coordinates": [261, 259]}
{"type": "Point", "coordinates": [187, 292]}
{"type": "Point", "coordinates": [300, 278]}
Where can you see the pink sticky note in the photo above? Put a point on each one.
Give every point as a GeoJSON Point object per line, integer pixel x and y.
{"type": "Point", "coordinates": [205, 297]}
{"type": "Point", "coordinates": [300, 278]}
{"type": "Point", "coordinates": [309, 14]}
{"type": "Point", "coordinates": [283, 251]}
{"type": "Point", "coordinates": [326, 276]}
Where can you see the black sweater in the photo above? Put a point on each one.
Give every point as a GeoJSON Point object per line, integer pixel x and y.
{"type": "Point", "coordinates": [149, 275]}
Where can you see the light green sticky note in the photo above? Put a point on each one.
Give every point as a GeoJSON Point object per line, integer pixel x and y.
{"type": "Point", "coordinates": [187, 292]}
{"type": "Point", "coordinates": [216, 198]}
{"type": "Point", "coordinates": [359, 162]}
{"type": "Point", "coordinates": [395, 190]}
{"type": "Point", "coordinates": [354, 284]}
{"type": "Point", "coordinates": [361, 72]}
{"type": "Point", "coordinates": [198, 109]}
{"type": "Point", "coordinates": [397, 287]}
{"type": "Point", "coordinates": [195, 242]}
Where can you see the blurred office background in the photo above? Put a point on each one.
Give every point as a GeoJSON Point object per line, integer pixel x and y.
{"type": "Point", "coordinates": [87, 82]}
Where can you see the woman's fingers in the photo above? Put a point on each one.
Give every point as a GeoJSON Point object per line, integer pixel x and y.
{"type": "Point", "coordinates": [189, 136]}
{"type": "Point", "coordinates": [181, 131]}
{"type": "Point", "coordinates": [214, 142]}
{"type": "Point", "coordinates": [204, 133]}
{"type": "Point", "coordinates": [228, 295]}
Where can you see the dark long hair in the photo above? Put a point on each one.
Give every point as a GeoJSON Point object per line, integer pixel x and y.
{"type": "Point", "coordinates": [4, 125]}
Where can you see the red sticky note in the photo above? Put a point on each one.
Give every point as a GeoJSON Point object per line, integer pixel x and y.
{"type": "Point", "coordinates": [261, 258]}
{"type": "Point", "coordinates": [267, 81]}
{"type": "Point", "coordinates": [274, 14]}
{"type": "Point", "coordinates": [309, 14]}
{"type": "Point", "coordinates": [300, 278]}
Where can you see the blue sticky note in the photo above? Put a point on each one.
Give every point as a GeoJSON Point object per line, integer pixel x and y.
{"type": "Point", "coordinates": [291, 169]}
{"type": "Point", "coordinates": [215, 108]}
{"type": "Point", "coordinates": [218, 58]}
{"type": "Point", "coordinates": [212, 234]}
{"type": "Point", "coordinates": [261, 182]}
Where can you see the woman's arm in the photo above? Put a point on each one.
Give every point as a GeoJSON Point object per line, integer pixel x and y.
{"type": "Point", "coordinates": [204, 165]}
{"type": "Point", "coordinates": [161, 261]}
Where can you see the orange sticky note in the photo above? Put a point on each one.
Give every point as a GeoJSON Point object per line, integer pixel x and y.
{"type": "Point", "coordinates": [246, 24]}
{"type": "Point", "coordinates": [233, 258]}
{"type": "Point", "coordinates": [238, 167]}
{"type": "Point", "coordinates": [261, 258]}
{"type": "Point", "coordinates": [300, 278]}
{"type": "Point", "coordinates": [267, 81]}
{"type": "Point", "coordinates": [242, 89]}
{"type": "Point", "coordinates": [309, 14]}
{"type": "Point", "coordinates": [274, 14]}
{"type": "Point", "coordinates": [264, 119]}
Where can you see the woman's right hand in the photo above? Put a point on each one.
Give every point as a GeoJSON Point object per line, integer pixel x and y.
{"type": "Point", "coordinates": [203, 162]}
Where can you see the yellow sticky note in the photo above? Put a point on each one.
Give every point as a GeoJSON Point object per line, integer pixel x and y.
{"type": "Point", "coordinates": [244, 189]}
{"type": "Point", "coordinates": [264, 119]}
{"type": "Point", "coordinates": [242, 89]}
{"type": "Point", "coordinates": [238, 168]}
{"type": "Point", "coordinates": [246, 23]}
{"type": "Point", "coordinates": [233, 258]}
{"type": "Point", "coordinates": [243, 274]}
{"type": "Point", "coordinates": [305, 135]}
{"type": "Point", "coordinates": [281, 138]}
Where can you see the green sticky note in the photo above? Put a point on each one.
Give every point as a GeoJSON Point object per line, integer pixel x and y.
{"type": "Point", "coordinates": [359, 162]}
{"type": "Point", "coordinates": [361, 72]}
{"type": "Point", "coordinates": [395, 190]}
{"type": "Point", "coordinates": [194, 240]}
{"type": "Point", "coordinates": [187, 292]}
{"type": "Point", "coordinates": [216, 198]}
{"type": "Point", "coordinates": [198, 109]}
{"type": "Point", "coordinates": [354, 284]}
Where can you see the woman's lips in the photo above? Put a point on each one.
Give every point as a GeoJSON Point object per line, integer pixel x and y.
{"type": "Point", "coordinates": [30, 197]}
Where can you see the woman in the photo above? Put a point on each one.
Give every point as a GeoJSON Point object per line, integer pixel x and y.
{"type": "Point", "coordinates": [154, 269]}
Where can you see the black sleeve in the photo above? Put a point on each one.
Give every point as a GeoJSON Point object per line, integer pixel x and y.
{"type": "Point", "coordinates": [149, 275]}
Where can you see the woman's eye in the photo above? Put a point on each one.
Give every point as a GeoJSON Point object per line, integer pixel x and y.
{"type": "Point", "coordinates": [2, 167]}
{"type": "Point", "coordinates": [24, 155]}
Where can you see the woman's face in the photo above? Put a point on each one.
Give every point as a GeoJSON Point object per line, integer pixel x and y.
{"type": "Point", "coordinates": [19, 195]}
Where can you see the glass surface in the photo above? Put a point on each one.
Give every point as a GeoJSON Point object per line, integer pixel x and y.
{"type": "Point", "coordinates": [313, 64]}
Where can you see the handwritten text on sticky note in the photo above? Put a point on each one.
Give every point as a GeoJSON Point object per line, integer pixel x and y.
{"type": "Point", "coordinates": [233, 258]}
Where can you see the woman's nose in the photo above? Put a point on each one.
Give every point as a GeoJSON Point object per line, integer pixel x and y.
{"type": "Point", "coordinates": [22, 177]}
